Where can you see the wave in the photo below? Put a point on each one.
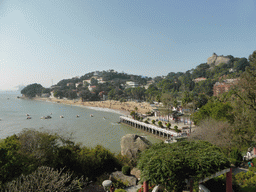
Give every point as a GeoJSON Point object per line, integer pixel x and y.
{"type": "Point", "coordinates": [105, 110]}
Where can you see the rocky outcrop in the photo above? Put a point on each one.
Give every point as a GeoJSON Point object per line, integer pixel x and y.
{"type": "Point", "coordinates": [136, 172]}
{"type": "Point", "coordinates": [216, 60]}
{"type": "Point", "coordinates": [132, 144]}
{"type": "Point", "coordinates": [129, 180]}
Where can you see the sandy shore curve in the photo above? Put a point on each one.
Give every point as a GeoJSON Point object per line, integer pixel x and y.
{"type": "Point", "coordinates": [122, 107]}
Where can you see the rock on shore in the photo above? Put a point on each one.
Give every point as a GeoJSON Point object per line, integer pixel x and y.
{"type": "Point", "coordinates": [132, 144]}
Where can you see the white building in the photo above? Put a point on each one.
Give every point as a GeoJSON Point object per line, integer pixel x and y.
{"type": "Point", "coordinates": [131, 84]}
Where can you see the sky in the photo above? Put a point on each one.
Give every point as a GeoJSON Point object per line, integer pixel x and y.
{"type": "Point", "coordinates": [50, 40]}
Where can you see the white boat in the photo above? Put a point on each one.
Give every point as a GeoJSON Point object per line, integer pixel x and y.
{"type": "Point", "coordinates": [77, 116]}
{"type": "Point", "coordinates": [27, 114]}
{"type": "Point", "coordinates": [46, 117]}
{"type": "Point", "coordinates": [91, 115]}
{"type": "Point", "coordinates": [28, 117]}
{"type": "Point", "coordinates": [61, 116]}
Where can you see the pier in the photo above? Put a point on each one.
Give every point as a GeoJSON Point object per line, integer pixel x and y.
{"type": "Point", "coordinates": [161, 132]}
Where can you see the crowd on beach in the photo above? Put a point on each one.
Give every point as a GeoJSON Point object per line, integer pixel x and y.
{"type": "Point", "coordinates": [124, 107]}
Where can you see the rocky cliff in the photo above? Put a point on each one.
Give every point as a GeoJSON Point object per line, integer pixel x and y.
{"type": "Point", "coordinates": [216, 60]}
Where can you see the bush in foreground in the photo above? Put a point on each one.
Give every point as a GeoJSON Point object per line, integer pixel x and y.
{"type": "Point", "coordinates": [25, 152]}
{"type": "Point", "coordinates": [46, 179]}
{"type": "Point", "coordinates": [126, 170]}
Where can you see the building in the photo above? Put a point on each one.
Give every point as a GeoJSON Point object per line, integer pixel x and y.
{"type": "Point", "coordinates": [91, 88]}
{"type": "Point", "coordinates": [131, 84]}
{"type": "Point", "coordinates": [100, 80]}
{"type": "Point", "coordinates": [86, 82]}
{"type": "Point", "coordinates": [70, 84]}
{"type": "Point", "coordinates": [199, 79]}
{"type": "Point", "coordinates": [77, 84]}
{"type": "Point", "coordinates": [222, 87]}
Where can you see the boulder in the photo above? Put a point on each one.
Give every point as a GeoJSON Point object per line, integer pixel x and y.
{"type": "Point", "coordinates": [136, 172]}
{"type": "Point", "coordinates": [132, 144]}
{"type": "Point", "coordinates": [222, 59]}
{"type": "Point", "coordinates": [216, 60]}
{"type": "Point", "coordinates": [212, 59]}
{"type": "Point", "coordinates": [129, 180]}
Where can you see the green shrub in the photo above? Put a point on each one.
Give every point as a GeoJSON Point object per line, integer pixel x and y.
{"type": "Point", "coordinates": [236, 154]}
{"type": "Point", "coordinates": [46, 179]}
{"type": "Point", "coordinates": [146, 121]}
{"type": "Point", "coordinates": [168, 125]}
{"type": "Point", "coordinates": [153, 121]}
{"type": "Point", "coordinates": [120, 190]}
{"type": "Point", "coordinates": [119, 184]}
{"type": "Point", "coordinates": [254, 161]}
{"type": "Point", "coordinates": [126, 170]}
{"type": "Point", "coordinates": [160, 124]}
{"type": "Point", "coordinates": [176, 129]}
{"type": "Point", "coordinates": [253, 169]}
{"type": "Point", "coordinates": [133, 114]}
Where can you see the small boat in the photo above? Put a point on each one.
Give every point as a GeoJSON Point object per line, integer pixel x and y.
{"type": "Point", "coordinates": [46, 117]}
{"type": "Point", "coordinates": [104, 118]}
{"type": "Point", "coordinates": [91, 115]}
{"type": "Point", "coordinates": [61, 116]}
{"type": "Point", "coordinates": [27, 114]}
{"type": "Point", "coordinates": [77, 116]}
{"type": "Point", "coordinates": [28, 117]}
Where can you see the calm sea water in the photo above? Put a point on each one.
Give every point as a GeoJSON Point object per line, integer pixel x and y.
{"type": "Point", "coordinates": [101, 129]}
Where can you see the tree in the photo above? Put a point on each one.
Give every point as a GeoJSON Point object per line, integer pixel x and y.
{"type": "Point", "coordinates": [46, 179]}
{"type": "Point", "coordinates": [85, 95]}
{"type": "Point", "coordinates": [218, 133]}
{"type": "Point", "coordinates": [112, 94]}
{"type": "Point", "coordinates": [71, 94]}
{"type": "Point", "coordinates": [216, 110]}
{"type": "Point", "coordinates": [241, 64]}
{"type": "Point", "coordinates": [58, 93]}
{"type": "Point", "coordinates": [201, 100]}
{"type": "Point", "coordinates": [247, 84]}
{"type": "Point", "coordinates": [133, 114]}
{"type": "Point", "coordinates": [32, 90]}
{"type": "Point", "coordinates": [94, 82]}
{"type": "Point", "coordinates": [170, 164]}
{"type": "Point", "coordinates": [167, 103]}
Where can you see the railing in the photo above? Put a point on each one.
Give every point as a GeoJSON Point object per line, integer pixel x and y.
{"type": "Point", "coordinates": [153, 127]}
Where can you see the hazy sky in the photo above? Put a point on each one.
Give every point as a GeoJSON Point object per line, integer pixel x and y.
{"type": "Point", "coordinates": [48, 40]}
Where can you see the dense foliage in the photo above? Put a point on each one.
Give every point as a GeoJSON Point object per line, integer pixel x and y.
{"type": "Point", "coordinates": [46, 179]}
{"type": "Point", "coordinates": [25, 152]}
{"type": "Point", "coordinates": [169, 165]}
{"type": "Point", "coordinates": [32, 90]}
{"type": "Point", "coordinates": [216, 110]}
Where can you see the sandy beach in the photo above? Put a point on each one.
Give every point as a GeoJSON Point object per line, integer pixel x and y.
{"type": "Point", "coordinates": [124, 107]}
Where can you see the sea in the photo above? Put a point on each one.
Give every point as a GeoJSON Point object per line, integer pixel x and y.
{"type": "Point", "coordinates": [101, 129]}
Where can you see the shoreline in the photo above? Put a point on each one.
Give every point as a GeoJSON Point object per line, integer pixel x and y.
{"type": "Point", "coordinates": [123, 108]}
